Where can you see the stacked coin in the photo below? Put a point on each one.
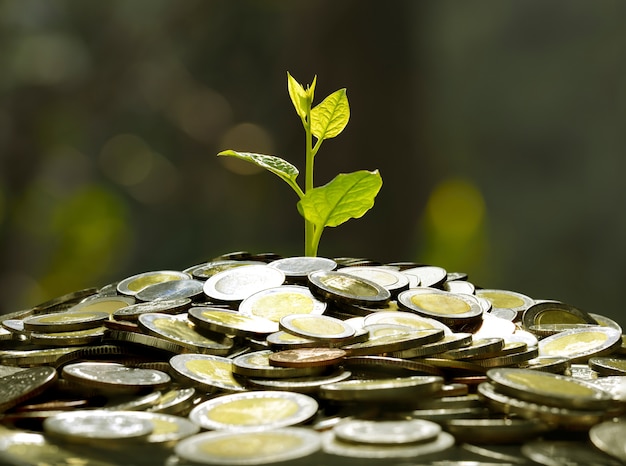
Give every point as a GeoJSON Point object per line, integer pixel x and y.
{"type": "Point", "coordinates": [306, 360]}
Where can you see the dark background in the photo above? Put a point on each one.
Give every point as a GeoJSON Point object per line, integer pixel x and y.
{"type": "Point", "coordinates": [498, 128]}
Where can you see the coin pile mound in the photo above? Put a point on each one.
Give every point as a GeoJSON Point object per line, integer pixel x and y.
{"type": "Point", "coordinates": [257, 359]}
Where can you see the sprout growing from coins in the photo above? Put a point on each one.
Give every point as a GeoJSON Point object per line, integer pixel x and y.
{"type": "Point", "coordinates": [348, 195]}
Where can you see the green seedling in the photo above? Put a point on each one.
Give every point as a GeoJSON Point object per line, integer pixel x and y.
{"type": "Point", "coordinates": [348, 195]}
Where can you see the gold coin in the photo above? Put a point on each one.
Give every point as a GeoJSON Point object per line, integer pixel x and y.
{"type": "Point", "coordinates": [580, 344]}
{"type": "Point", "coordinates": [307, 357]}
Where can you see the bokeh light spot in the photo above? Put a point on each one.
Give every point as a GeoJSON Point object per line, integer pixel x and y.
{"type": "Point", "coordinates": [245, 137]}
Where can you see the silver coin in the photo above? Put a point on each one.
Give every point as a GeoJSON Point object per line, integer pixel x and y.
{"type": "Point", "coordinates": [387, 432]}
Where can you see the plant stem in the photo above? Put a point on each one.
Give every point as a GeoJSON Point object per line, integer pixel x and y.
{"type": "Point", "coordinates": [309, 228]}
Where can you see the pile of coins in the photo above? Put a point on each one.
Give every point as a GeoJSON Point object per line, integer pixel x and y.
{"type": "Point", "coordinates": [258, 359]}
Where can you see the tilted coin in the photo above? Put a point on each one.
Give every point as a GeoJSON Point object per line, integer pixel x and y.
{"type": "Point", "coordinates": [427, 275]}
{"type": "Point", "coordinates": [147, 341]}
{"type": "Point", "coordinates": [550, 389]}
{"type": "Point", "coordinates": [275, 303]}
{"type": "Point", "coordinates": [307, 357]}
{"type": "Point", "coordinates": [297, 269]}
{"type": "Point", "coordinates": [604, 321]}
{"type": "Point", "coordinates": [249, 448]}
{"type": "Point", "coordinates": [65, 321]}
{"type": "Point", "coordinates": [479, 348]}
{"type": "Point", "coordinates": [257, 364]}
{"type": "Point", "coordinates": [306, 385]}
{"type": "Point", "coordinates": [30, 448]}
{"type": "Point", "coordinates": [512, 359]}
{"type": "Point", "coordinates": [100, 303]}
{"type": "Point", "coordinates": [407, 319]}
{"type": "Point", "coordinates": [389, 389]}
{"type": "Point", "coordinates": [165, 306]}
{"type": "Point", "coordinates": [389, 366]}
{"type": "Point", "coordinates": [563, 452]}
{"type": "Point", "coordinates": [390, 279]}
{"type": "Point", "coordinates": [180, 330]}
{"type": "Point", "coordinates": [254, 411]}
{"type": "Point", "coordinates": [176, 400]}
{"type": "Point", "coordinates": [564, 418]}
{"type": "Point", "coordinates": [24, 385]}
{"type": "Point", "coordinates": [555, 312]}
{"type": "Point", "coordinates": [388, 338]}
{"type": "Point", "coordinates": [546, 330]}
{"type": "Point", "coordinates": [208, 269]}
{"type": "Point", "coordinates": [168, 428]}
{"type": "Point", "coordinates": [206, 371]}
{"type": "Point", "coordinates": [132, 285]}
{"type": "Point", "coordinates": [449, 308]}
{"type": "Point", "coordinates": [608, 366]}
{"type": "Point", "coordinates": [448, 342]}
{"type": "Point", "coordinates": [496, 431]}
{"type": "Point", "coordinates": [387, 432]}
{"type": "Point", "coordinates": [98, 425]}
{"type": "Point", "coordinates": [72, 338]}
{"type": "Point", "coordinates": [333, 446]}
{"type": "Point", "coordinates": [317, 327]}
{"type": "Point", "coordinates": [459, 286]}
{"type": "Point", "coordinates": [506, 299]}
{"type": "Point", "coordinates": [33, 357]}
{"type": "Point", "coordinates": [114, 377]}
{"type": "Point", "coordinates": [231, 322]}
{"type": "Point", "coordinates": [339, 286]}
{"type": "Point", "coordinates": [494, 326]}
{"type": "Point", "coordinates": [173, 289]}
{"type": "Point", "coordinates": [236, 284]}
{"type": "Point", "coordinates": [581, 344]}
{"type": "Point", "coordinates": [609, 437]}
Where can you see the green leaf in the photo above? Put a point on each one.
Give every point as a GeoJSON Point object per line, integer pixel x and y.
{"type": "Point", "coordinates": [346, 196]}
{"type": "Point", "coordinates": [283, 169]}
{"type": "Point", "coordinates": [330, 117]}
{"type": "Point", "coordinates": [301, 98]}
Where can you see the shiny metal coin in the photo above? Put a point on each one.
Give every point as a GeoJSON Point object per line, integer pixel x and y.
{"type": "Point", "coordinates": [132, 285]}
{"type": "Point", "coordinates": [231, 322]}
{"type": "Point", "coordinates": [614, 385]}
{"type": "Point", "coordinates": [392, 280]}
{"type": "Point", "coordinates": [389, 366]}
{"type": "Point", "coordinates": [236, 284]}
{"type": "Point", "coordinates": [249, 448]}
{"type": "Point", "coordinates": [168, 429]}
{"type": "Point", "coordinates": [257, 365]}
{"type": "Point", "coordinates": [206, 372]}
{"type": "Point", "coordinates": [297, 269]}
{"type": "Point", "coordinates": [342, 287]}
{"type": "Point", "coordinates": [307, 357]}
{"type": "Point", "coordinates": [496, 431]}
{"type": "Point", "coordinates": [173, 289]}
{"type": "Point", "coordinates": [28, 448]}
{"type": "Point", "coordinates": [333, 446]}
{"type": "Point", "coordinates": [65, 321]}
{"type": "Point", "coordinates": [24, 385]}
{"type": "Point", "coordinates": [608, 366]}
{"type": "Point", "coordinates": [581, 344]}
{"type": "Point", "coordinates": [609, 437]}
{"type": "Point", "coordinates": [555, 312]}
{"type": "Point", "coordinates": [114, 377]}
{"type": "Point", "coordinates": [72, 338]}
{"type": "Point", "coordinates": [506, 299]}
{"type": "Point", "coordinates": [549, 389]}
{"type": "Point", "coordinates": [254, 411]}
{"type": "Point", "coordinates": [563, 418]}
{"type": "Point", "coordinates": [449, 308]}
{"type": "Point", "coordinates": [408, 319]}
{"type": "Point", "coordinates": [95, 426]}
{"type": "Point", "coordinates": [448, 342]}
{"type": "Point", "coordinates": [306, 385]}
{"type": "Point", "coordinates": [165, 306]}
{"type": "Point", "coordinates": [388, 338]}
{"type": "Point", "coordinates": [478, 349]}
{"type": "Point", "coordinates": [387, 432]}
{"type": "Point", "coordinates": [388, 389]}
{"type": "Point", "coordinates": [208, 269]}
{"type": "Point", "coordinates": [566, 453]}
{"type": "Point", "coordinates": [321, 327]}
{"type": "Point", "coordinates": [459, 286]}
{"type": "Point", "coordinates": [176, 400]}
{"type": "Point", "coordinates": [179, 329]}
{"type": "Point", "coordinates": [275, 303]}
{"type": "Point", "coordinates": [427, 276]}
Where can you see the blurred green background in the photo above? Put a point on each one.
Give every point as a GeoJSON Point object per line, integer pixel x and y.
{"type": "Point", "coordinates": [498, 128]}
